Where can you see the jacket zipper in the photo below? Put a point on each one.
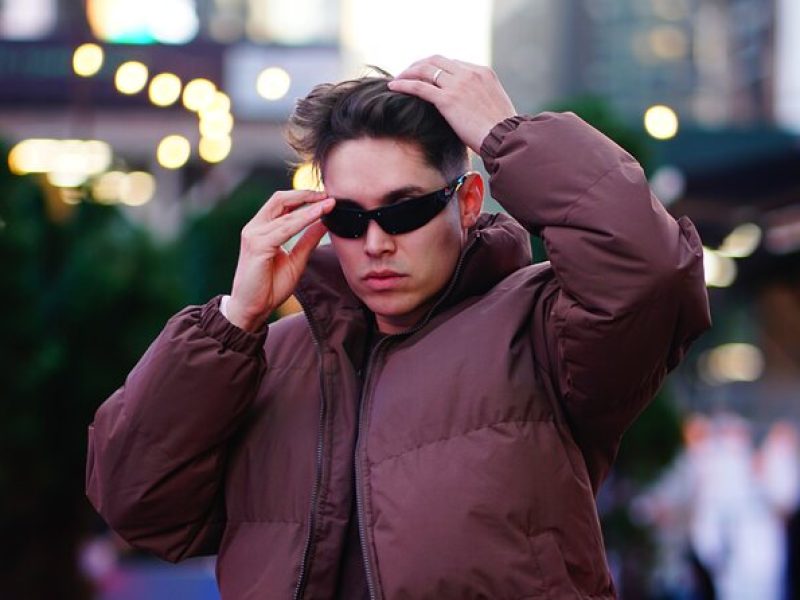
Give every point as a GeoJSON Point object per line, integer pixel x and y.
{"type": "Point", "coordinates": [301, 580]}
{"type": "Point", "coordinates": [365, 392]}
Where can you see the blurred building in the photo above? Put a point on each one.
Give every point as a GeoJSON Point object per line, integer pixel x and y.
{"type": "Point", "coordinates": [721, 71]}
{"type": "Point", "coordinates": [259, 54]}
{"type": "Point", "coordinates": [710, 60]}
{"type": "Point", "coordinates": [731, 160]}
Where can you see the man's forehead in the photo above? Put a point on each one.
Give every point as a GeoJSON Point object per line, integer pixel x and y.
{"type": "Point", "coordinates": [377, 171]}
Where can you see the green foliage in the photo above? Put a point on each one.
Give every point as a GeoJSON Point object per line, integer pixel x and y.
{"type": "Point", "coordinates": [209, 246]}
{"type": "Point", "coordinates": [81, 299]}
{"type": "Point", "coordinates": [652, 441]}
{"type": "Point", "coordinates": [80, 302]}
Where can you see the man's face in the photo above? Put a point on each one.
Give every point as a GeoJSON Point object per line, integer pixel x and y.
{"type": "Point", "coordinates": [397, 276]}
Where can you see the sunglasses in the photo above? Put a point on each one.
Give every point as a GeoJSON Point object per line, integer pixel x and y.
{"type": "Point", "coordinates": [349, 222]}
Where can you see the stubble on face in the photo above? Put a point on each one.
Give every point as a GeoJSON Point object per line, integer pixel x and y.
{"type": "Point", "coordinates": [398, 277]}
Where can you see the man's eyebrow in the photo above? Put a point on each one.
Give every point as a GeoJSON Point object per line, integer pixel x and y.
{"type": "Point", "coordinates": [401, 193]}
{"type": "Point", "coordinates": [392, 196]}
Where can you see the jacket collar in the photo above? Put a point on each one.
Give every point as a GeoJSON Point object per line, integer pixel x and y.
{"type": "Point", "coordinates": [496, 247]}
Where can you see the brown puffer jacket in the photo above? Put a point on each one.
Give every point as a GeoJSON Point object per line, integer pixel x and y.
{"type": "Point", "coordinates": [480, 437]}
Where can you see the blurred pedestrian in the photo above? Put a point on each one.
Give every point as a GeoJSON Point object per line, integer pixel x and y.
{"type": "Point", "coordinates": [737, 502]}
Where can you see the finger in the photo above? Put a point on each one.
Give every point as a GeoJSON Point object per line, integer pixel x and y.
{"type": "Point", "coordinates": [421, 89]}
{"type": "Point", "coordinates": [305, 245]}
{"type": "Point", "coordinates": [424, 72]}
{"type": "Point", "coordinates": [281, 230]}
{"type": "Point", "coordinates": [426, 68]}
{"type": "Point", "coordinates": [283, 201]}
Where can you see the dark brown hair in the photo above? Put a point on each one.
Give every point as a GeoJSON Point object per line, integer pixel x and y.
{"type": "Point", "coordinates": [365, 107]}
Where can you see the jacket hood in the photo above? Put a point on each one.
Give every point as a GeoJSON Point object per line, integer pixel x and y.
{"type": "Point", "coordinates": [496, 247]}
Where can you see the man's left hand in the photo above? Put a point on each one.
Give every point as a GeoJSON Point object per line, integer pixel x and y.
{"type": "Point", "coordinates": [470, 97]}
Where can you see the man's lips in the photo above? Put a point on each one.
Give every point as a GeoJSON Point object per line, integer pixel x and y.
{"type": "Point", "coordinates": [383, 279]}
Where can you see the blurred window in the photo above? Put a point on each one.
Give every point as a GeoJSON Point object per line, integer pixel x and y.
{"type": "Point", "coordinates": [27, 19]}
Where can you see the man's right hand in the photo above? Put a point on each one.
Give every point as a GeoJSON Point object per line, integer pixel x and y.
{"type": "Point", "coordinates": [266, 274]}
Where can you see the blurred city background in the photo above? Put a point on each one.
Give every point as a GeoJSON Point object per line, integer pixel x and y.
{"type": "Point", "coordinates": [140, 136]}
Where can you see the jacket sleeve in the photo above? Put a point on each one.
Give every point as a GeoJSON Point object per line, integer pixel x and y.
{"type": "Point", "coordinates": [157, 446]}
{"type": "Point", "coordinates": [628, 294]}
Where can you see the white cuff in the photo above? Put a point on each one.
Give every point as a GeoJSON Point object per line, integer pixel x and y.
{"type": "Point", "coordinates": [223, 306]}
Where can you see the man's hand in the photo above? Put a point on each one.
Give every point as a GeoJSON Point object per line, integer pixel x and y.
{"type": "Point", "coordinates": [266, 274]}
{"type": "Point", "coordinates": [470, 97]}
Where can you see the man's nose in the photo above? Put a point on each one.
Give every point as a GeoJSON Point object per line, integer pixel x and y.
{"type": "Point", "coordinates": [377, 241]}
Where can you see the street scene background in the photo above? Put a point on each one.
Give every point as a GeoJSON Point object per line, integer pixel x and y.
{"type": "Point", "coordinates": [140, 136]}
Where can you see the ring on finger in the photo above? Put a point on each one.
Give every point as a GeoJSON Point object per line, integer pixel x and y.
{"type": "Point", "coordinates": [436, 75]}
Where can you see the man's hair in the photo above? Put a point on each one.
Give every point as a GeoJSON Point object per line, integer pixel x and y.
{"type": "Point", "coordinates": [366, 108]}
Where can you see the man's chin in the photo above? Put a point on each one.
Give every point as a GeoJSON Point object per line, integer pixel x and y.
{"type": "Point", "coordinates": [398, 313]}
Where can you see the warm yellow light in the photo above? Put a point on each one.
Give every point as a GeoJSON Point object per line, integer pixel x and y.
{"type": "Point", "coordinates": [199, 94]}
{"type": "Point", "coordinates": [741, 242]}
{"type": "Point", "coordinates": [220, 103]}
{"type": "Point", "coordinates": [138, 188]}
{"type": "Point", "coordinates": [97, 155]}
{"type": "Point", "coordinates": [165, 89]}
{"type": "Point", "coordinates": [273, 83]}
{"type": "Point", "coordinates": [661, 122]}
{"type": "Point", "coordinates": [173, 152]}
{"type": "Point", "coordinates": [215, 124]}
{"type": "Point", "coordinates": [87, 60]}
{"type": "Point", "coordinates": [131, 77]}
{"type": "Point", "coordinates": [720, 271]}
{"type": "Point", "coordinates": [76, 160]}
{"type": "Point", "coordinates": [668, 42]}
{"type": "Point", "coordinates": [68, 163]}
{"type": "Point", "coordinates": [215, 149]}
{"type": "Point", "coordinates": [31, 156]}
{"type": "Point", "coordinates": [306, 178]}
{"type": "Point", "coordinates": [106, 188]}
{"type": "Point", "coordinates": [732, 362]}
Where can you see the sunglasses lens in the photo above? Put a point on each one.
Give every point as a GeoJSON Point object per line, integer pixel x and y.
{"type": "Point", "coordinates": [345, 223]}
{"type": "Point", "coordinates": [410, 215]}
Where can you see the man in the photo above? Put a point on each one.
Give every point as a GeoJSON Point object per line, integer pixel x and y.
{"type": "Point", "coordinates": [438, 420]}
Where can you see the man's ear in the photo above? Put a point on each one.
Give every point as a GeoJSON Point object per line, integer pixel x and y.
{"type": "Point", "coordinates": [470, 199]}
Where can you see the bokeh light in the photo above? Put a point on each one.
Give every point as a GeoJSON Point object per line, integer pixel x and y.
{"type": "Point", "coordinates": [137, 188]}
{"type": "Point", "coordinates": [661, 122]}
{"type": "Point", "coordinates": [67, 163]}
{"type": "Point", "coordinates": [273, 83]}
{"type": "Point", "coordinates": [220, 102]}
{"type": "Point", "coordinates": [730, 363]}
{"type": "Point", "coordinates": [741, 242]}
{"type": "Point", "coordinates": [106, 188]}
{"type": "Point", "coordinates": [173, 152]}
{"type": "Point", "coordinates": [214, 149]}
{"type": "Point", "coordinates": [215, 124]}
{"type": "Point", "coordinates": [720, 271]}
{"type": "Point", "coordinates": [305, 178]}
{"type": "Point", "coordinates": [131, 77]}
{"type": "Point", "coordinates": [31, 156]}
{"type": "Point", "coordinates": [143, 21]}
{"type": "Point", "coordinates": [199, 94]}
{"type": "Point", "coordinates": [176, 22]}
{"type": "Point", "coordinates": [165, 89]}
{"type": "Point", "coordinates": [87, 60]}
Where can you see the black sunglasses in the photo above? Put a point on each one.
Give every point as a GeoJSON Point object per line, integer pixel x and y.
{"type": "Point", "coordinates": [402, 217]}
